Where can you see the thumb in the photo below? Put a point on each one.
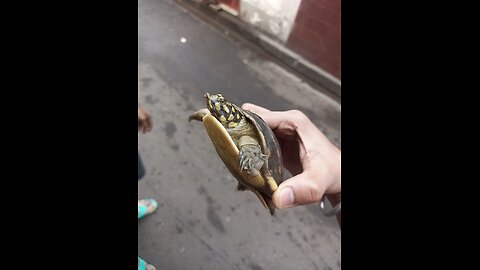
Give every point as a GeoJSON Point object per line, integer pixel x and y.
{"type": "Point", "coordinates": [298, 190]}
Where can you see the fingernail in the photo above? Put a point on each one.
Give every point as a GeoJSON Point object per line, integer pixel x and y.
{"type": "Point", "coordinates": [287, 197]}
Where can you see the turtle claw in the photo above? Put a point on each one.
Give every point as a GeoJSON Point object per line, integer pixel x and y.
{"type": "Point", "coordinates": [251, 159]}
{"type": "Point", "coordinates": [242, 161]}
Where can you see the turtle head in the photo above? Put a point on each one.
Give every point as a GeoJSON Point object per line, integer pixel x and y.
{"type": "Point", "coordinates": [225, 112]}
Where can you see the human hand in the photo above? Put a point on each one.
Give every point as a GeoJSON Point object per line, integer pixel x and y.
{"type": "Point", "coordinates": [311, 158]}
{"type": "Point", "coordinates": [144, 120]}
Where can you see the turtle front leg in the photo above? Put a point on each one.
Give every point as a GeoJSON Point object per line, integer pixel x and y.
{"type": "Point", "coordinates": [250, 157]}
{"type": "Point", "coordinates": [198, 115]}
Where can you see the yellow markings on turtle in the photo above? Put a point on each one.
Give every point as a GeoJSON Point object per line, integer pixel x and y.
{"type": "Point", "coordinates": [217, 105]}
{"type": "Point", "coordinates": [225, 108]}
{"type": "Point", "coordinates": [230, 117]}
{"type": "Point", "coordinates": [210, 104]}
{"type": "Point", "coordinates": [232, 124]}
{"type": "Point", "coordinates": [233, 110]}
{"type": "Point", "coordinates": [222, 119]}
{"type": "Point", "coordinates": [238, 116]}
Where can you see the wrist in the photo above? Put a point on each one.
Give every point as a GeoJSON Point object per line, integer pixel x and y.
{"type": "Point", "coordinates": [334, 198]}
{"type": "Point", "coordinates": [335, 202]}
{"type": "Point", "coordinates": [336, 179]}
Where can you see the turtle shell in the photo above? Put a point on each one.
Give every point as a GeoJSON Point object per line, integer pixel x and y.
{"type": "Point", "coordinates": [271, 173]}
{"type": "Point", "coordinates": [270, 147]}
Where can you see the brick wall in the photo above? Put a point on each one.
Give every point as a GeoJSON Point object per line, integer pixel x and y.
{"type": "Point", "coordinates": [234, 4]}
{"type": "Point", "coordinates": [316, 34]}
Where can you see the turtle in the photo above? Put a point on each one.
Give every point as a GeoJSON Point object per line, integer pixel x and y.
{"type": "Point", "coordinates": [246, 145]}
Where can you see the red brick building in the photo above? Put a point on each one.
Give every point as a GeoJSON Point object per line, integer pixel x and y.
{"type": "Point", "coordinates": [310, 28]}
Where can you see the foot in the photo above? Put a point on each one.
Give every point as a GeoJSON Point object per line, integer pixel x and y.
{"type": "Point", "coordinates": [146, 207]}
{"type": "Point", "coordinates": [198, 115]}
{"type": "Point", "coordinates": [142, 265]}
{"type": "Point", "coordinates": [251, 159]}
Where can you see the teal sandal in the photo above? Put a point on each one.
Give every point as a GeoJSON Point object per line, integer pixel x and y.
{"type": "Point", "coordinates": [146, 207]}
{"type": "Point", "coordinates": [142, 265]}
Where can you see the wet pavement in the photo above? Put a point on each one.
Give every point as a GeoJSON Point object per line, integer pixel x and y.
{"type": "Point", "coordinates": [201, 222]}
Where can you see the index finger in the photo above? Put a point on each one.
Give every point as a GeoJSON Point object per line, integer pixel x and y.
{"type": "Point", "coordinates": [255, 108]}
{"type": "Point", "coordinates": [265, 114]}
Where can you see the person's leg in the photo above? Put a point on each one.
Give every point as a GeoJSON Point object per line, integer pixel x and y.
{"type": "Point", "coordinates": [145, 207]}
{"type": "Point", "coordinates": [141, 168]}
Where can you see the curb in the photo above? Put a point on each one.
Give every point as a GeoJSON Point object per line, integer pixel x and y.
{"type": "Point", "coordinates": [275, 49]}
